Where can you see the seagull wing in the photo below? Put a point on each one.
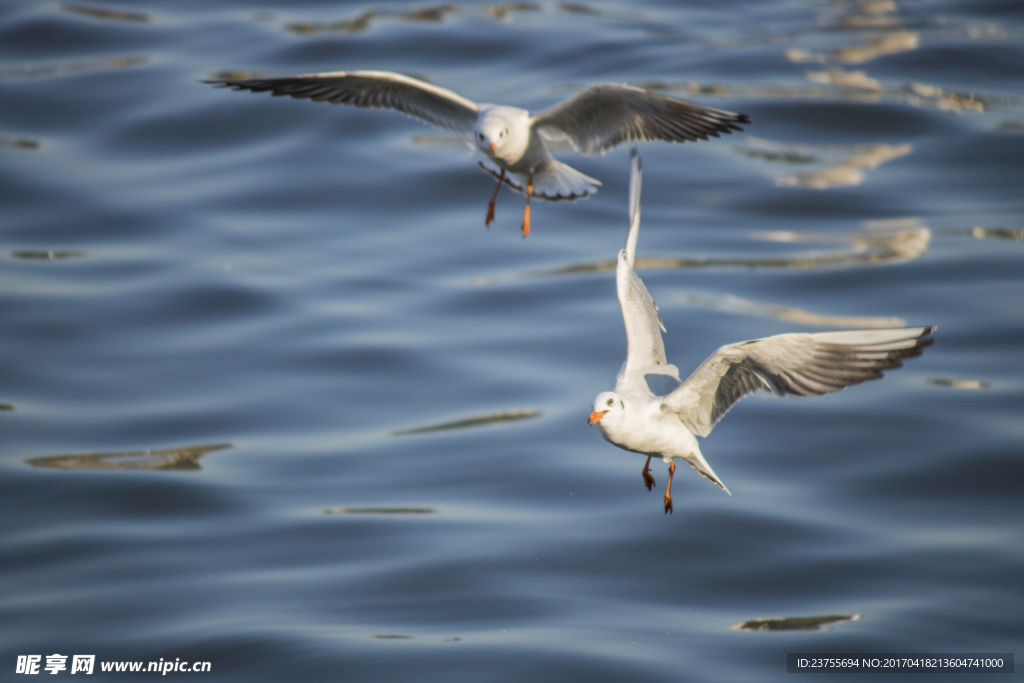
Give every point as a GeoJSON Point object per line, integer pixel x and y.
{"type": "Point", "coordinates": [802, 364]}
{"type": "Point", "coordinates": [601, 117]}
{"type": "Point", "coordinates": [646, 350]}
{"type": "Point", "coordinates": [378, 89]}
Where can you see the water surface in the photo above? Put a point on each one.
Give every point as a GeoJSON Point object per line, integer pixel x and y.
{"type": "Point", "coordinates": [274, 398]}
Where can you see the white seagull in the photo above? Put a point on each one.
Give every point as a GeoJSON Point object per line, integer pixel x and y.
{"type": "Point", "coordinates": [509, 141]}
{"type": "Point", "coordinates": [652, 413]}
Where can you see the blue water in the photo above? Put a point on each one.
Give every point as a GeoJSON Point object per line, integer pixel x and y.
{"type": "Point", "coordinates": [184, 266]}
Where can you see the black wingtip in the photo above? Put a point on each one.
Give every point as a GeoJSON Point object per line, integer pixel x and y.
{"type": "Point", "coordinates": [924, 340]}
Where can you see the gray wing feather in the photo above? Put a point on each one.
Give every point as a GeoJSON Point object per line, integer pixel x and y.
{"type": "Point", "coordinates": [604, 116]}
{"type": "Point", "coordinates": [801, 364]}
{"type": "Point", "coordinates": [376, 89]}
{"type": "Point", "coordinates": [661, 385]}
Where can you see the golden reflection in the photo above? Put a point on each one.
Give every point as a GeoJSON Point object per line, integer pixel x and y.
{"type": "Point", "coordinates": [442, 140]}
{"type": "Point", "coordinates": [167, 459]}
{"type": "Point", "coordinates": [881, 242]}
{"type": "Point", "coordinates": [878, 15]}
{"type": "Point", "coordinates": [100, 13]}
{"type": "Point", "coordinates": [575, 8]}
{"type": "Point", "coordinates": [958, 383]}
{"type": "Point", "coordinates": [728, 303]}
{"type": "Point", "coordinates": [798, 55]}
{"type": "Point", "coordinates": [11, 142]}
{"type": "Point", "coordinates": [885, 44]}
{"type": "Point", "coordinates": [356, 25]}
{"type": "Point", "coordinates": [846, 79]}
{"type": "Point", "coordinates": [887, 36]}
{"type": "Point", "coordinates": [477, 421]}
{"type": "Point", "coordinates": [29, 72]}
{"type": "Point", "coordinates": [850, 171]}
{"type": "Point", "coordinates": [922, 94]}
{"type": "Point", "coordinates": [793, 623]}
{"type": "Point", "coordinates": [872, 14]}
{"type": "Point", "coordinates": [501, 12]}
{"type": "Point", "coordinates": [1015, 234]}
{"type": "Point", "coordinates": [836, 165]}
{"type": "Point", "coordinates": [836, 84]}
{"type": "Point", "coordinates": [884, 241]}
{"type": "Point", "coordinates": [47, 255]}
{"type": "Point", "coordinates": [380, 511]}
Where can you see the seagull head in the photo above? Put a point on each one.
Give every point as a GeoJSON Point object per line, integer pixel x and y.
{"type": "Point", "coordinates": [502, 133]}
{"type": "Point", "coordinates": [609, 410]}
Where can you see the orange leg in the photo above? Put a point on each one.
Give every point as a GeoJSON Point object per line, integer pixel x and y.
{"type": "Point", "coordinates": [668, 489]}
{"type": "Point", "coordinates": [490, 205]}
{"type": "Point", "coordinates": [648, 479]}
{"type": "Point", "coordinates": [526, 211]}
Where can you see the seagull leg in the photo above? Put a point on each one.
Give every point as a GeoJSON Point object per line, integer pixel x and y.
{"type": "Point", "coordinates": [526, 211]}
{"type": "Point", "coordinates": [490, 204]}
{"type": "Point", "coordinates": [668, 489]}
{"type": "Point", "coordinates": [648, 479]}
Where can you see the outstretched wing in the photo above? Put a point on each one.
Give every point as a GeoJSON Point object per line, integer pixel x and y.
{"type": "Point", "coordinates": [646, 350]}
{"type": "Point", "coordinates": [802, 364]}
{"type": "Point", "coordinates": [378, 89]}
{"type": "Point", "coordinates": [604, 116]}
{"type": "Point", "coordinates": [636, 177]}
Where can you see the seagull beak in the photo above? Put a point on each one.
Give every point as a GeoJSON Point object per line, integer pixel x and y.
{"type": "Point", "coordinates": [596, 416]}
{"type": "Point", "coordinates": [494, 148]}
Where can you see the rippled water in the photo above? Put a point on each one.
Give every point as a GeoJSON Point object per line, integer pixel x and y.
{"type": "Point", "coordinates": [274, 398]}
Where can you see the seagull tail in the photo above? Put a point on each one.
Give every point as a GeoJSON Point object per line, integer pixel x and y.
{"type": "Point", "coordinates": [555, 180]}
{"type": "Point", "coordinates": [698, 462]}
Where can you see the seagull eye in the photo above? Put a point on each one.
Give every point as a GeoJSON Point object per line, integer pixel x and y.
{"type": "Point", "coordinates": [611, 401]}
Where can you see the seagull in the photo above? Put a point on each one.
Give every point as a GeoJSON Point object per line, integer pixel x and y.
{"type": "Point", "coordinates": [509, 141]}
{"type": "Point", "coordinates": [654, 414]}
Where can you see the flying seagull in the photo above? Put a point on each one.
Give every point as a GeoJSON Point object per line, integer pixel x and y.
{"type": "Point", "coordinates": [652, 413]}
{"type": "Point", "coordinates": [509, 141]}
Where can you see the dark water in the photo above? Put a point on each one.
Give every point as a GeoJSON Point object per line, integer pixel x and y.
{"type": "Point", "coordinates": [220, 309]}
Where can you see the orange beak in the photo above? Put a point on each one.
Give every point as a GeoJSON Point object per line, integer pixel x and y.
{"type": "Point", "coordinates": [596, 416]}
{"type": "Point", "coordinates": [494, 147]}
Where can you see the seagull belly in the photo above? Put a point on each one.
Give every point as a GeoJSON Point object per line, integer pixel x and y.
{"type": "Point", "coordinates": [655, 437]}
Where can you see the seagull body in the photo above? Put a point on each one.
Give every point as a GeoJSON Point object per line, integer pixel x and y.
{"type": "Point", "coordinates": [653, 413]}
{"type": "Point", "coordinates": [509, 142]}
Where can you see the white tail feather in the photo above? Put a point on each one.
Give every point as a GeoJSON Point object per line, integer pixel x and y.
{"type": "Point", "coordinates": [554, 181]}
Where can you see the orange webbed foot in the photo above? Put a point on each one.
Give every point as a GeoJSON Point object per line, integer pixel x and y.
{"type": "Point", "coordinates": [490, 205]}
{"type": "Point", "coordinates": [526, 211]}
{"type": "Point", "coordinates": [668, 489]}
{"type": "Point", "coordinates": [648, 479]}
